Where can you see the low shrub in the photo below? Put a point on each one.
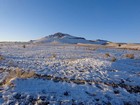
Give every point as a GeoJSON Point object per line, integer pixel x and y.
{"type": "Point", "coordinates": [2, 57]}
{"type": "Point", "coordinates": [53, 55]}
{"type": "Point", "coordinates": [107, 55]}
{"type": "Point", "coordinates": [119, 45]}
{"type": "Point", "coordinates": [131, 56]}
{"type": "Point", "coordinates": [113, 59]}
{"type": "Point", "coordinates": [24, 46]}
{"type": "Point", "coordinates": [92, 49]}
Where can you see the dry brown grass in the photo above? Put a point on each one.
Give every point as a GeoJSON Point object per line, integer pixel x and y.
{"type": "Point", "coordinates": [113, 59]}
{"type": "Point", "coordinates": [91, 48]}
{"type": "Point", "coordinates": [53, 56]}
{"type": "Point", "coordinates": [131, 56]}
{"type": "Point", "coordinates": [107, 55]}
{"type": "Point", "coordinates": [2, 57]}
{"type": "Point", "coordinates": [18, 73]}
{"type": "Point", "coordinates": [78, 81]}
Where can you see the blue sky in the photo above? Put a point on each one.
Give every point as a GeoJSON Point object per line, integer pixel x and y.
{"type": "Point", "coordinates": [114, 20]}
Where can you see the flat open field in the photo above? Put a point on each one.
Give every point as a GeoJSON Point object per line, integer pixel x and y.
{"type": "Point", "coordinates": [68, 74]}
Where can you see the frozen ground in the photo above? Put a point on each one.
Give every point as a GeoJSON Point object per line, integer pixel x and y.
{"type": "Point", "coordinates": [91, 75]}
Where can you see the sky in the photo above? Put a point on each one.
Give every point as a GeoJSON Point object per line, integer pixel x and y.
{"type": "Point", "coordinates": [113, 20]}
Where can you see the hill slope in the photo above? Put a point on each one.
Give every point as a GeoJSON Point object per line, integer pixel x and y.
{"type": "Point", "coordinates": [66, 39]}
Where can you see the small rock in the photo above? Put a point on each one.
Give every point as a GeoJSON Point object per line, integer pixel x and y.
{"type": "Point", "coordinates": [97, 99]}
{"type": "Point", "coordinates": [29, 98]}
{"type": "Point", "coordinates": [23, 96]}
{"type": "Point", "coordinates": [10, 102]}
{"type": "Point", "coordinates": [40, 102]}
{"type": "Point", "coordinates": [81, 103]}
{"type": "Point", "coordinates": [66, 93]}
{"type": "Point", "coordinates": [16, 95]}
{"type": "Point", "coordinates": [116, 91]}
{"type": "Point", "coordinates": [43, 98]}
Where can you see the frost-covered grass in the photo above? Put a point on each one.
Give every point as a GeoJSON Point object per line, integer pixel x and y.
{"type": "Point", "coordinates": [112, 82]}
{"type": "Point", "coordinates": [69, 93]}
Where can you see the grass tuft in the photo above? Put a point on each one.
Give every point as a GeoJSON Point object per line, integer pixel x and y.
{"type": "Point", "coordinates": [18, 73]}
{"type": "Point", "coordinates": [131, 56]}
{"type": "Point", "coordinates": [2, 57]}
{"type": "Point", "coordinates": [113, 59]}
{"type": "Point", "coordinates": [107, 55]}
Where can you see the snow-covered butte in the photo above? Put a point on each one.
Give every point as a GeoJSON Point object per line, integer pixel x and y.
{"type": "Point", "coordinates": [66, 39]}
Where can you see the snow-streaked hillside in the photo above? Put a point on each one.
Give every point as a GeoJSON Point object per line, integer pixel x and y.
{"type": "Point", "coordinates": [66, 39]}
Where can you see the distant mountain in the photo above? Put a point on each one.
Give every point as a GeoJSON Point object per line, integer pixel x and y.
{"type": "Point", "coordinates": [66, 39]}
